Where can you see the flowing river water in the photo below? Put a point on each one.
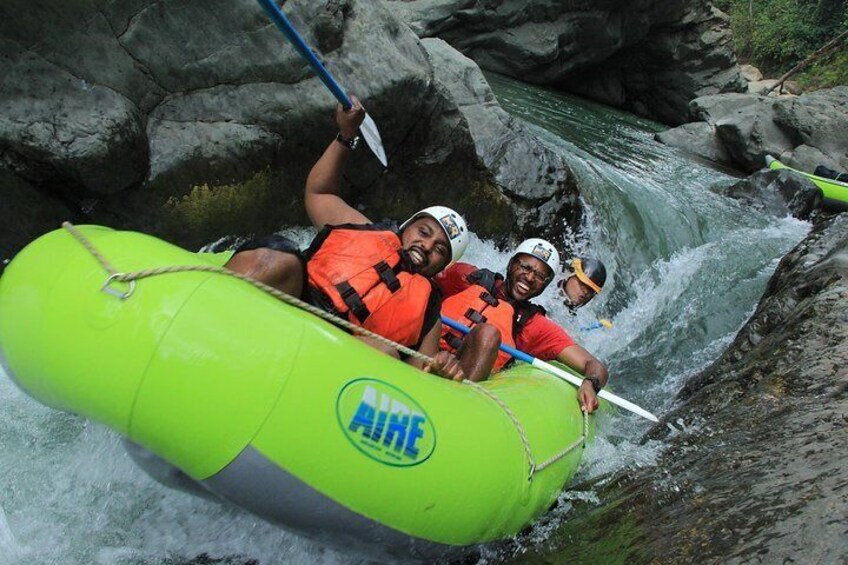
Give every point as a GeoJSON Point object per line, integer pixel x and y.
{"type": "Point", "coordinates": [687, 269]}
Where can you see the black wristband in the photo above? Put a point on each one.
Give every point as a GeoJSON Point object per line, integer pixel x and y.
{"type": "Point", "coordinates": [596, 383]}
{"type": "Point", "coordinates": [350, 143]}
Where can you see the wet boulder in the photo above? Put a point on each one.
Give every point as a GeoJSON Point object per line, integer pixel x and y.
{"type": "Point", "coordinates": [60, 131]}
{"type": "Point", "coordinates": [802, 131]}
{"type": "Point", "coordinates": [712, 108]}
{"type": "Point", "coordinates": [698, 138]}
{"type": "Point", "coordinates": [750, 133]}
{"type": "Point", "coordinates": [816, 121]}
{"type": "Point", "coordinates": [542, 186]}
{"type": "Point", "coordinates": [198, 119]}
{"type": "Point", "coordinates": [780, 193]}
{"type": "Point", "coordinates": [751, 73]}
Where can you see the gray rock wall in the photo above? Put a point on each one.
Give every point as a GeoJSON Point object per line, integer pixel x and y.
{"type": "Point", "coordinates": [193, 119]}
{"type": "Point", "coordinates": [650, 57]}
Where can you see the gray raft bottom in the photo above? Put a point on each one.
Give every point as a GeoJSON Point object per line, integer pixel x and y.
{"type": "Point", "coordinates": [256, 484]}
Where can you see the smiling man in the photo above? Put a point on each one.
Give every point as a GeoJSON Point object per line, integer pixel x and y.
{"type": "Point", "coordinates": [498, 310]}
{"type": "Point", "coordinates": [376, 276]}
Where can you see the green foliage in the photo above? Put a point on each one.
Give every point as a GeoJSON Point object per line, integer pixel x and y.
{"type": "Point", "coordinates": [207, 212]}
{"type": "Point", "coordinates": [832, 72]}
{"type": "Point", "coordinates": [775, 35]}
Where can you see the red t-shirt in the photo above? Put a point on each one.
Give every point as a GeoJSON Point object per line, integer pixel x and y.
{"type": "Point", "coordinates": [540, 337]}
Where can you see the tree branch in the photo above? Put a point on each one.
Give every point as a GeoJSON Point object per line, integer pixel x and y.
{"type": "Point", "coordinates": [826, 50]}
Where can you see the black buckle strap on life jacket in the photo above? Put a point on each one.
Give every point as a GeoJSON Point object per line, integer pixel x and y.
{"type": "Point", "coordinates": [475, 316]}
{"type": "Point", "coordinates": [485, 278]}
{"type": "Point", "coordinates": [523, 312]}
{"type": "Point", "coordinates": [489, 299]}
{"type": "Point", "coordinates": [387, 275]}
{"type": "Point", "coordinates": [353, 301]}
{"type": "Point", "coordinates": [453, 340]}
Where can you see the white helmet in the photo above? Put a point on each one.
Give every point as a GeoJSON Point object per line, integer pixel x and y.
{"type": "Point", "coordinates": [541, 250]}
{"type": "Point", "coordinates": [452, 223]}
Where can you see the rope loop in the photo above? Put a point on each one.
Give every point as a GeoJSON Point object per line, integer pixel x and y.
{"type": "Point", "coordinates": [107, 286]}
{"type": "Point", "coordinates": [581, 442]}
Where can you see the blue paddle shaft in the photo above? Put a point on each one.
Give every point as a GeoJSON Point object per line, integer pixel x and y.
{"type": "Point", "coordinates": [557, 372]}
{"type": "Point", "coordinates": [291, 34]}
{"type": "Point", "coordinates": [520, 355]}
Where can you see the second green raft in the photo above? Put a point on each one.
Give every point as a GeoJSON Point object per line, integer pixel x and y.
{"type": "Point", "coordinates": [279, 411]}
{"type": "Point", "coordinates": [835, 193]}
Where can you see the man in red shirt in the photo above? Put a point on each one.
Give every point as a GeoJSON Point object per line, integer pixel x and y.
{"type": "Point", "coordinates": [499, 309]}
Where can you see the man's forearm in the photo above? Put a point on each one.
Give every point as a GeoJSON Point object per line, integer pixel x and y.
{"type": "Point", "coordinates": [326, 175]}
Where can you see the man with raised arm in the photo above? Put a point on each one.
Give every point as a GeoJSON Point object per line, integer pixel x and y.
{"type": "Point", "coordinates": [498, 308]}
{"type": "Point", "coordinates": [376, 276]}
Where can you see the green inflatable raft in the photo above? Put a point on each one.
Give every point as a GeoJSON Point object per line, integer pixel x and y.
{"type": "Point", "coordinates": [835, 193]}
{"type": "Point", "coordinates": [253, 400]}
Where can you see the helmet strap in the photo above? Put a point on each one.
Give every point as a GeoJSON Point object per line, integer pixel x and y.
{"type": "Point", "coordinates": [507, 284]}
{"type": "Point", "coordinates": [577, 265]}
{"type": "Point", "coordinates": [566, 300]}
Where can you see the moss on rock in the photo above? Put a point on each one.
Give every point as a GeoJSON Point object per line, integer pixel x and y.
{"type": "Point", "coordinates": [251, 207]}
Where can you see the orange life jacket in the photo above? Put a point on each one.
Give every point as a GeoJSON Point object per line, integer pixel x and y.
{"type": "Point", "coordinates": [478, 304]}
{"type": "Point", "coordinates": [358, 269]}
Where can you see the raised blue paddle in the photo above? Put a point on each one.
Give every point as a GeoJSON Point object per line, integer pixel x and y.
{"type": "Point", "coordinates": [368, 127]}
{"type": "Point", "coordinates": [557, 372]}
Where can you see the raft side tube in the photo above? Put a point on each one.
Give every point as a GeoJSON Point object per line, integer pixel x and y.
{"type": "Point", "coordinates": [253, 482]}
{"type": "Point", "coordinates": [53, 317]}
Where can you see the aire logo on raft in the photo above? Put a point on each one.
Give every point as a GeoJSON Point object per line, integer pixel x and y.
{"type": "Point", "coordinates": [385, 423]}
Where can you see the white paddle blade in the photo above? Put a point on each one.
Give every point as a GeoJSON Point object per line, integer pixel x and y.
{"type": "Point", "coordinates": [372, 138]}
{"type": "Point", "coordinates": [627, 405]}
{"type": "Point", "coordinates": [608, 396]}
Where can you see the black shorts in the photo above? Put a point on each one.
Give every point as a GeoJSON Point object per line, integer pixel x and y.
{"type": "Point", "coordinates": [274, 241]}
{"type": "Point", "coordinates": [280, 243]}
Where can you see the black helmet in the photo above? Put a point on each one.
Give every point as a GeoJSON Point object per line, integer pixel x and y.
{"type": "Point", "coordinates": [590, 272]}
